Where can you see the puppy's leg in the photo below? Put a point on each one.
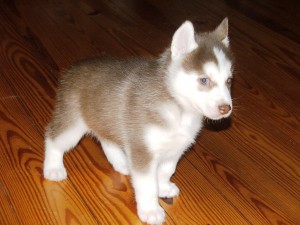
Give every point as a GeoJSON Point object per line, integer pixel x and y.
{"type": "Point", "coordinates": [55, 147]}
{"type": "Point", "coordinates": [167, 189]}
{"type": "Point", "coordinates": [115, 156]}
{"type": "Point", "coordinates": [146, 194]}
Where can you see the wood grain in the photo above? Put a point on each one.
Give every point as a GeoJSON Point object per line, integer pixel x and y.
{"type": "Point", "coordinates": [245, 170]}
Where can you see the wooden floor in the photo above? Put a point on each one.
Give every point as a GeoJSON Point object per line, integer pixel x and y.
{"type": "Point", "coordinates": [242, 171]}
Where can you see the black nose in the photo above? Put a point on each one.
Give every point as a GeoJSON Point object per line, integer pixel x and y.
{"type": "Point", "coordinates": [224, 109]}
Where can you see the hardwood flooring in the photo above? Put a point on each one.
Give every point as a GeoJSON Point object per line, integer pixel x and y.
{"type": "Point", "coordinates": [240, 171]}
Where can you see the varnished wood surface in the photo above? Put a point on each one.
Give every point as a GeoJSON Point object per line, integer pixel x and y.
{"type": "Point", "coordinates": [241, 171]}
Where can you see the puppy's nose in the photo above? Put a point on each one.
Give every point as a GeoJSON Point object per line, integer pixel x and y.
{"type": "Point", "coordinates": [224, 109]}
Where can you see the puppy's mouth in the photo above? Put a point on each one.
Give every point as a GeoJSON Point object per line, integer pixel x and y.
{"type": "Point", "coordinates": [218, 117]}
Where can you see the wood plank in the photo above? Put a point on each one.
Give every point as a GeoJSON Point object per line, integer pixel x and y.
{"type": "Point", "coordinates": [34, 201]}
{"type": "Point", "coordinates": [200, 202]}
{"type": "Point", "coordinates": [272, 15]}
{"type": "Point", "coordinates": [259, 189]}
{"type": "Point", "coordinates": [7, 213]}
{"type": "Point", "coordinates": [21, 160]}
{"type": "Point", "coordinates": [242, 171]}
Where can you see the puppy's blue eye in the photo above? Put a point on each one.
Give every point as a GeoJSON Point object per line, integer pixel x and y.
{"type": "Point", "coordinates": [204, 81]}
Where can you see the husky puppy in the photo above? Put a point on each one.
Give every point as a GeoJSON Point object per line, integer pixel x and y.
{"type": "Point", "coordinates": [145, 112]}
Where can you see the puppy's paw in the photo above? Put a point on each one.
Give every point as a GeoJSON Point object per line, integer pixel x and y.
{"type": "Point", "coordinates": [55, 173]}
{"type": "Point", "coordinates": [153, 216]}
{"type": "Point", "coordinates": [168, 190]}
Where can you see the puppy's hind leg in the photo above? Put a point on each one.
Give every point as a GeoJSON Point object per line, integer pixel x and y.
{"type": "Point", "coordinates": [56, 146]}
{"type": "Point", "coordinates": [115, 156]}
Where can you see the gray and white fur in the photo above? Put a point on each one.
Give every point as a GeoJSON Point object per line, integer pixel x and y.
{"type": "Point", "coordinates": [145, 112]}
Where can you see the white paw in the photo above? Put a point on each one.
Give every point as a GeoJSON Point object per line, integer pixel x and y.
{"type": "Point", "coordinates": [55, 173]}
{"type": "Point", "coordinates": [168, 190]}
{"type": "Point", "coordinates": [121, 168]}
{"type": "Point", "coordinates": [154, 216]}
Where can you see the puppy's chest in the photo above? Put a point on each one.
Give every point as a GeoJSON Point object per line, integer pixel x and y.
{"type": "Point", "coordinates": [176, 135]}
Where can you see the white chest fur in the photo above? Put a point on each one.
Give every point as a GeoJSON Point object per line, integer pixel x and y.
{"type": "Point", "coordinates": [178, 134]}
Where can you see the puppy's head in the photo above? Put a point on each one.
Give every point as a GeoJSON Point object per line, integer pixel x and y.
{"type": "Point", "coordinates": [201, 70]}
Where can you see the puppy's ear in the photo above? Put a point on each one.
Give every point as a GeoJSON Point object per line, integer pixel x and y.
{"type": "Point", "coordinates": [183, 41]}
{"type": "Point", "coordinates": [221, 32]}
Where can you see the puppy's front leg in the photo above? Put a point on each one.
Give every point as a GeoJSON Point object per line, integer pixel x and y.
{"type": "Point", "coordinates": [167, 189]}
{"type": "Point", "coordinates": [145, 183]}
